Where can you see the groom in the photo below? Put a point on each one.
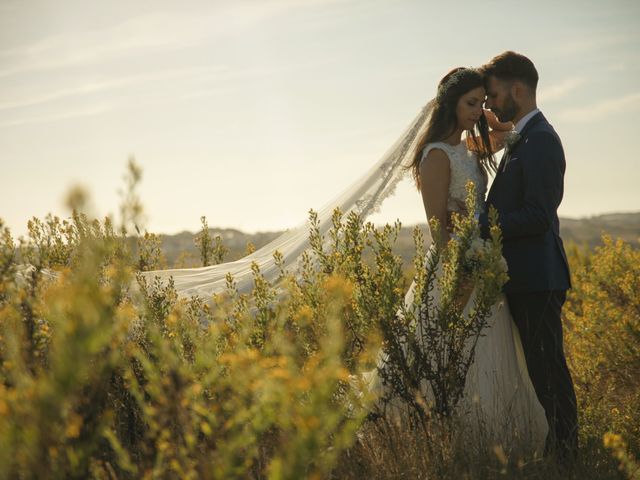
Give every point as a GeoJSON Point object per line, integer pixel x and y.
{"type": "Point", "coordinates": [526, 192]}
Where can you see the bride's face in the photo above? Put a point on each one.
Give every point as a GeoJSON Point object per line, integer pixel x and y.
{"type": "Point", "coordinates": [469, 108]}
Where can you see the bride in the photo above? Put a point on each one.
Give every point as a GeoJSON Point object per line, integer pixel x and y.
{"type": "Point", "coordinates": [498, 394]}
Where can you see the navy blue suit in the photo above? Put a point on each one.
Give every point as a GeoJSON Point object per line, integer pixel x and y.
{"type": "Point", "coordinates": [526, 192]}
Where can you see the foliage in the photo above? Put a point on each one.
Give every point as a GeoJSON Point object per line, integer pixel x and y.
{"type": "Point", "coordinates": [432, 340]}
{"type": "Point", "coordinates": [618, 446]}
{"type": "Point", "coordinates": [105, 373]}
{"type": "Point", "coordinates": [603, 340]}
{"type": "Point", "coordinates": [212, 251]}
{"type": "Point", "coordinates": [150, 255]}
{"type": "Point", "coordinates": [102, 376]}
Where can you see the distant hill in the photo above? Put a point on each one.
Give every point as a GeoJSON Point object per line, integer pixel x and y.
{"type": "Point", "coordinates": [589, 230]}
{"type": "Point", "coordinates": [180, 249]}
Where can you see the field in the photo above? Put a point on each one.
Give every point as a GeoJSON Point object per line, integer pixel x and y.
{"type": "Point", "coordinates": [107, 375]}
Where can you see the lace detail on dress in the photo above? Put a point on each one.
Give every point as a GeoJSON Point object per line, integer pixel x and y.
{"type": "Point", "coordinates": [464, 166]}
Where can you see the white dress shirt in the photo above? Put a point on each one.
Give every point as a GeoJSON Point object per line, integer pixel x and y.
{"type": "Point", "coordinates": [523, 121]}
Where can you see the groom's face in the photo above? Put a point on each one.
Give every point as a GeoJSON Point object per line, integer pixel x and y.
{"type": "Point", "coordinates": [500, 99]}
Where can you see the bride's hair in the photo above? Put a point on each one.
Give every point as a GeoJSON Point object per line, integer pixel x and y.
{"type": "Point", "coordinates": [443, 120]}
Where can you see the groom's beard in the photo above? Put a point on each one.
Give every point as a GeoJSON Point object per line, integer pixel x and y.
{"type": "Point", "coordinates": [508, 111]}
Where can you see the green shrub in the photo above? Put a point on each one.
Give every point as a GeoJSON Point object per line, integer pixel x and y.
{"type": "Point", "coordinates": [105, 373]}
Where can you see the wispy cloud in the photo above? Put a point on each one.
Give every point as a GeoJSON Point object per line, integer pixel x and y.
{"type": "Point", "coordinates": [598, 110]}
{"type": "Point", "coordinates": [77, 113]}
{"type": "Point", "coordinates": [188, 82]}
{"type": "Point", "coordinates": [130, 38]}
{"type": "Point", "coordinates": [154, 32]}
{"type": "Point", "coordinates": [202, 73]}
{"type": "Point", "coordinates": [560, 90]}
{"type": "Point", "coordinates": [617, 67]}
{"type": "Point", "coordinates": [594, 43]}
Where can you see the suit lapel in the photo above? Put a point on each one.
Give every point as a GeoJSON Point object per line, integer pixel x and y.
{"type": "Point", "coordinates": [503, 160]}
{"type": "Point", "coordinates": [538, 117]}
{"type": "Point", "coordinates": [507, 154]}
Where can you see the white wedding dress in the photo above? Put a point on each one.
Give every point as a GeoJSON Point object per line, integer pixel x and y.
{"type": "Point", "coordinates": [499, 401]}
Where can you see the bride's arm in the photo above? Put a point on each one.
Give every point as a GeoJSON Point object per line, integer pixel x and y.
{"type": "Point", "coordinates": [434, 186]}
{"type": "Point", "coordinates": [435, 173]}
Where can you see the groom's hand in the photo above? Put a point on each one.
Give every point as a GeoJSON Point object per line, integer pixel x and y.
{"type": "Point", "coordinates": [495, 124]}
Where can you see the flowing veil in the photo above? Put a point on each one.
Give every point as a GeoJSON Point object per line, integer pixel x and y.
{"type": "Point", "coordinates": [364, 196]}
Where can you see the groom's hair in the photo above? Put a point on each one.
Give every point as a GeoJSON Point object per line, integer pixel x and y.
{"type": "Point", "coordinates": [512, 66]}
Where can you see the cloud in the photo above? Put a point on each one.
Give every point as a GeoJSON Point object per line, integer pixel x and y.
{"type": "Point", "coordinates": [593, 43]}
{"type": "Point", "coordinates": [560, 90]}
{"type": "Point", "coordinates": [129, 38]}
{"type": "Point", "coordinates": [617, 67]}
{"type": "Point", "coordinates": [145, 34]}
{"type": "Point", "coordinates": [598, 110]}
{"type": "Point", "coordinates": [108, 84]}
{"type": "Point", "coordinates": [84, 112]}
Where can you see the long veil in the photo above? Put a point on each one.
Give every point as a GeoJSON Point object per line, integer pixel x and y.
{"type": "Point", "coordinates": [364, 196]}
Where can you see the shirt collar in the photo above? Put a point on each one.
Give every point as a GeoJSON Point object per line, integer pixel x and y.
{"type": "Point", "coordinates": [523, 121]}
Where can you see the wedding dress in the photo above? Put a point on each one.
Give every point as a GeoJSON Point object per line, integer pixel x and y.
{"type": "Point", "coordinates": [499, 401]}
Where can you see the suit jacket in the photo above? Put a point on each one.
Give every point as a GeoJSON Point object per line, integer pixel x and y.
{"type": "Point", "coordinates": [526, 192]}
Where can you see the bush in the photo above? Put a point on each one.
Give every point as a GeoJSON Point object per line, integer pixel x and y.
{"type": "Point", "coordinates": [105, 373]}
{"type": "Point", "coordinates": [603, 339]}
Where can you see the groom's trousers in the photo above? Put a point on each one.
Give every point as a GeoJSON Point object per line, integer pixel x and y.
{"type": "Point", "coordinates": [538, 318]}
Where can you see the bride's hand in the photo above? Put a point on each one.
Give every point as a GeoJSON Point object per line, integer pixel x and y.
{"type": "Point", "coordinates": [495, 124]}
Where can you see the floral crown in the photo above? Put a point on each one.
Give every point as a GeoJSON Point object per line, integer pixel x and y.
{"type": "Point", "coordinates": [451, 81]}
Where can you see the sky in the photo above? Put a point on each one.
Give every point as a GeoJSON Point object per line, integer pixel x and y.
{"type": "Point", "coordinates": [252, 112]}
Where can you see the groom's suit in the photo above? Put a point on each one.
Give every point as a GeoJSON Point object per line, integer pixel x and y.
{"type": "Point", "coordinates": [526, 192]}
